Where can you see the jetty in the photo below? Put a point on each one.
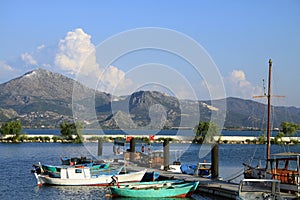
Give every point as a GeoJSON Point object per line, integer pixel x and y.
{"type": "Point", "coordinates": [214, 186]}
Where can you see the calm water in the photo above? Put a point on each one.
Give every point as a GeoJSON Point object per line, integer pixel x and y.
{"type": "Point", "coordinates": [151, 132]}
{"type": "Point", "coordinates": [18, 183]}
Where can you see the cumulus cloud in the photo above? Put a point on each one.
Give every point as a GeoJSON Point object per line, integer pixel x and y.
{"type": "Point", "coordinates": [76, 55]}
{"type": "Point", "coordinates": [76, 51]}
{"type": "Point", "coordinates": [237, 85]}
{"type": "Point", "coordinates": [28, 59]}
{"type": "Point", "coordinates": [113, 80]}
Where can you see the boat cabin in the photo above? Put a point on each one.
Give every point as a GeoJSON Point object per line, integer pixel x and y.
{"type": "Point", "coordinates": [75, 173]}
{"type": "Point", "coordinates": [257, 189]}
{"type": "Point", "coordinates": [285, 167]}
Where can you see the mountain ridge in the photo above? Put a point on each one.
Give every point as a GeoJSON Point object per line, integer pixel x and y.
{"type": "Point", "coordinates": [41, 98]}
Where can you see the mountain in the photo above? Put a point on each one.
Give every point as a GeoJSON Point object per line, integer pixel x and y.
{"type": "Point", "coordinates": [248, 113]}
{"type": "Point", "coordinates": [41, 98]}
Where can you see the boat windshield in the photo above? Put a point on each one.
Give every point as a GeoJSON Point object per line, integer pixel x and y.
{"type": "Point", "coordinates": [285, 164]}
{"type": "Point", "coordinates": [251, 186]}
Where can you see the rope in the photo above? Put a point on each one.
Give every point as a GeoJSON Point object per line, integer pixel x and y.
{"type": "Point", "coordinates": [234, 176]}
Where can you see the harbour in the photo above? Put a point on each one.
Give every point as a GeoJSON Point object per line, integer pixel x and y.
{"type": "Point", "coordinates": [20, 157]}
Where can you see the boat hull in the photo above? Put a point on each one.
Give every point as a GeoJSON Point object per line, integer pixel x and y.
{"type": "Point", "coordinates": [176, 190]}
{"type": "Point", "coordinates": [102, 180]}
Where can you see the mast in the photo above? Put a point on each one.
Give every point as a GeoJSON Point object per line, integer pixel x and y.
{"type": "Point", "coordinates": [269, 112]}
{"type": "Point", "coordinates": [269, 109]}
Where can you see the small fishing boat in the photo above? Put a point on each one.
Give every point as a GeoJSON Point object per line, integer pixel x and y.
{"type": "Point", "coordinates": [150, 176]}
{"type": "Point", "coordinates": [203, 169]}
{"type": "Point", "coordinates": [283, 166]}
{"type": "Point", "coordinates": [82, 176]}
{"type": "Point", "coordinates": [99, 169]}
{"type": "Point", "coordinates": [75, 160]}
{"type": "Point", "coordinates": [256, 189]}
{"type": "Point", "coordinates": [155, 190]}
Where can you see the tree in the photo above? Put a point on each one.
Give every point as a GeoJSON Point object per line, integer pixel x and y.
{"type": "Point", "coordinates": [262, 139]}
{"type": "Point", "coordinates": [11, 128]}
{"type": "Point", "coordinates": [278, 138]}
{"type": "Point", "coordinates": [205, 131]}
{"type": "Point", "coordinates": [68, 130]}
{"type": "Point", "coordinates": [65, 130]}
{"type": "Point", "coordinates": [289, 128]}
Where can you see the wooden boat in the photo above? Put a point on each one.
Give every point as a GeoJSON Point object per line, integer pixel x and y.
{"type": "Point", "coordinates": [155, 190]}
{"type": "Point", "coordinates": [256, 189]}
{"type": "Point", "coordinates": [150, 176]}
{"type": "Point", "coordinates": [203, 169]}
{"type": "Point", "coordinates": [101, 169]}
{"type": "Point", "coordinates": [75, 160]}
{"type": "Point", "coordinates": [82, 176]}
{"type": "Point", "coordinates": [284, 166]}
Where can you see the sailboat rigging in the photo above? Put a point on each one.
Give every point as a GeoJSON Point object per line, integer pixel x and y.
{"type": "Point", "coordinates": [278, 167]}
{"type": "Point", "coordinates": [269, 109]}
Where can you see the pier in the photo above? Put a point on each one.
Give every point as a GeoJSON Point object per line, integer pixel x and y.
{"type": "Point", "coordinates": [213, 186]}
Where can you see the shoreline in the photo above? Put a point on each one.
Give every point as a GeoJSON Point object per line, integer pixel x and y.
{"type": "Point", "coordinates": [50, 138]}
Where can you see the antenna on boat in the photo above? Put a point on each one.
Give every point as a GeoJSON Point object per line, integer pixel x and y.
{"type": "Point", "coordinates": [269, 109]}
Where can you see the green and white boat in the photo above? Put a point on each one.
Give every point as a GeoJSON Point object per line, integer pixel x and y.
{"type": "Point", "coordinates": [155, 189]}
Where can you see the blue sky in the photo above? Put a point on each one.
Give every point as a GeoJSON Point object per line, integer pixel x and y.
{"type": "Point", "coordinates": [239, 36]}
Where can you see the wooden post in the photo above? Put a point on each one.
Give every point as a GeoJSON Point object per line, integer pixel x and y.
{"type": "Point", "coordinates": [132, 150]}
{"type": "Point", "coordinates": [166, 147]}
{"type": "Point", "coordinates": [215, 161]}
{"type": "Point", "coordinates": [100, 147]}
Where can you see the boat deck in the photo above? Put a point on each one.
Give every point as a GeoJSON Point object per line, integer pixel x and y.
{"type": "Point", "coordinates": [213, 187]}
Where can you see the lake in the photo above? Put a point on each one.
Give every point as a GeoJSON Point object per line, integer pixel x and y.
{"type": "Point", "coordinates": [151, 132]}
{"type": "Point", "coordinates": [18, 183]}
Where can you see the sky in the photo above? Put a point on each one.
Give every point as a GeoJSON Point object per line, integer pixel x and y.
{"type": "Point", "coordinates": [189, 49]}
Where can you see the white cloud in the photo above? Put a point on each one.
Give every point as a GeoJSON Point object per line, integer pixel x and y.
{"type": "Point", "coordinates": [77, 56]}
{"type": "Point", "coordinates": [76, 52]}
{"type": "Point", "coordinates": [40, 47]}
{"type": "Point", "coordinates": [237, 85]}
{"type": "Point", "coordinates": [113, 80]}
{"type": "Point", "coordinates": [28, 59]}
{"type": "Point", "coordinates": [7, 72]}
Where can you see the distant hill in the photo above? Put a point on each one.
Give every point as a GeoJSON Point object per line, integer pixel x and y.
{"type": "Point", "coordinates": [41, 98]}
{"type": "Point", "coordinates": [248, 113]}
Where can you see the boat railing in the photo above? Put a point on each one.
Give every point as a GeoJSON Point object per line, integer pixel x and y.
{"type": "Point", "coordinates": [286, 176]}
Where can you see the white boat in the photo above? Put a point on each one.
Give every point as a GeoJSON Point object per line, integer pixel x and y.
{"type": "Point", "coordinates": [82, 177]}
{"type": "Point", "coordinates": [259, 189]}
